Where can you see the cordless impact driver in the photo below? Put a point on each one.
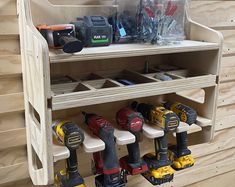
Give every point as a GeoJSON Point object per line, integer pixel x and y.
{"type": "Point", "coordinates": [71, 136]}
{"type": "Point", "coordinates": [160, 170]}
{"type": "Point", "coordinates": [180, 155]}
{"type": "Point", "coordinates": [132, 121]}
{"type": "Point", "coordinates": [106, 161]}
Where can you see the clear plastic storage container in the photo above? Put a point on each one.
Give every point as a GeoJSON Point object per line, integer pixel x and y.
{"type": "Point", "coordinates": [152, 21]}
{"type": "Point", "coordinates": [124, 21]}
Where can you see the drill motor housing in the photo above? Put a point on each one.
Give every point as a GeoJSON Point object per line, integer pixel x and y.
{"type": "Point", "coordinates": [160, 116]}
{"type": "Point", "coordinates": [68, 134]}
{"type": "Point", "coordinates": [184, 112]}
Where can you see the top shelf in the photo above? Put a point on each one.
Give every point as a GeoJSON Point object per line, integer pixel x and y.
{"type": "Point", "coordinates": [130, 50]}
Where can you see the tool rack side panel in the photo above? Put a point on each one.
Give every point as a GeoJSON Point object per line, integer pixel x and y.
{"type": "Point", "coordinates": [35, 66]}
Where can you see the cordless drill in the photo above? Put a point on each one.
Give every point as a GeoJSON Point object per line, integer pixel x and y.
{"type": "Point", "coordinates": [180, 155]}
{"type": "Point", "coordinates": [160, 170]}
{"type": "Point", "coordinates": [106, 162]}
{"type": "Point", "coordinates": [61, 36]}
{"type": "Point", "coordinates": [71, 136]}
{"type": "Point", "coordinates": [132, 121]}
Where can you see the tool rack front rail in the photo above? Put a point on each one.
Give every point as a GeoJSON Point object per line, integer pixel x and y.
{"type": "Point", "coordinates": [44, 102]}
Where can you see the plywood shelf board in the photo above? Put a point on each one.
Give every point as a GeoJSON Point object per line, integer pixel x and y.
{"type": "Point", "coordinates": [70, 100]}
{"type": "Point", "coordinates": [60, 152]}
{"type": "Point", "coordinates": [91, 143]}
{"type": "Point", "coordinates": [130, 50]}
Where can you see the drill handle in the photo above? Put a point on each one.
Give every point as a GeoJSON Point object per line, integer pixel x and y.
{"type": "Point", "coordinates": [109, 155]}
{"type": "Point", "coordinates": [161, 147]}
{"type": "Point", "coordinates": [72, 164]}
{"type": "Point", "coordinates": [182, 142]}
{"type": "Point", "coordinates": [134, 152]}
{"type": "Point", "coordinates": [71, 44]}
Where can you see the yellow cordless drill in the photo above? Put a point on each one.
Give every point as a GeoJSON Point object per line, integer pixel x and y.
{"type": "Point", "coordinates": [71, 136]}
{"type": "Point", "coordinates": [179, 154]}
{"type": "Point", "coordinates": [160, 170]}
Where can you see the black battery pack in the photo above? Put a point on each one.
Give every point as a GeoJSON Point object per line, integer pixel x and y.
{"type": "Point", "coordinates": [94, 31]}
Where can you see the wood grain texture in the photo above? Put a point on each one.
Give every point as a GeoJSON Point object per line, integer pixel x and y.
{"type": "Point", "coordinates": [11, 85]}
{"type": "Point", "coordinates": [226, 93]}
{"type": "Point", "coordinates": [217, 14]}
{"type": "Point", "coordinates": [10, 65]}
{"type": "Point", "coordinates": [13, 138]}
{"type": "Point", "coordinates": [227, 72]}
{"type": "Point", "coordinates": [13, 120]}
{"type": "Point", "coordinates": [13, 156]}
{"type": "Point", "coordinates": [11, 103]}
{"type": "Point", "coordinates": [14, 172]}
{"type": "Point", "coordinates": [223, 180]}
{"type": "Point", "coordinates": [225, 117]}
{"type": "Point", "coordinates": [7, 7]}
{"type": "Point", "coordinates": [9, 45]}
{"type": "Point", "coordinates": [8, 24]}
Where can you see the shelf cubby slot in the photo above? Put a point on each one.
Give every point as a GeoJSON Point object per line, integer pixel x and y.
{"type": "Point", "coordinates": [69, 88]}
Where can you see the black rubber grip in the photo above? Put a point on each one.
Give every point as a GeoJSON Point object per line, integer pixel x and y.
{"type": "Point", "coordinates": [161, 147]}
{"type": "Point", "coordinates": [182, 144]}
{"type": "Point", "coordinates": [72, 164]}
{"type": "Point", "coordinates": [71, 44]}
{"type": "Point", "coordinates": [109, 154]}
{"type": "Point", "coordinates": [134, 153]}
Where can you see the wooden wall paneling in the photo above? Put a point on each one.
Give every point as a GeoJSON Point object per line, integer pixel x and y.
{"type": "Point", "coordinates": [10, 65]}
{"type": "Point", "coordinates": [215, 14]}
{"type": "Point", "coordinates": [14, 120]}
{"type": "Point", "coordinates": [14, 172]}
{"type": "Point", "coordinates": [12, 156]}
{"type": "Point", "coordinates": [9, 25]}
{"type": "Point", "coordinates": [225, 117]}
{"type": "Point", "coordinates": [11, 103]}
{"type": "Point", "coordinates": [7, 7]}
{"type": "Point", "coordinates": [226, 93]}
{"type": "Point", "coordinates": [9, 45]}
{"type": "Point", "coordinates": [227, 72]}
{"type": "Point", "coordinates": [229, 42]}
{"type": "Point", "coordinates": [13, 138]}
{"type": "Point", "coordinates": [11, 84]}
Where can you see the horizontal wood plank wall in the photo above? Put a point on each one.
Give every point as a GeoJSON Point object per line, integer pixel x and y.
{"type": "Point", "coordinates": [215, 161]}
{"type": "Point", "coordinates": [13, 159]}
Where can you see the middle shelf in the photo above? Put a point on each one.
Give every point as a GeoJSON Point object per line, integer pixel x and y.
{"type": "Point", "coordinates": [107, 88]}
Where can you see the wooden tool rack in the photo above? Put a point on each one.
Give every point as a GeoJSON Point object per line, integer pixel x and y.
{"type": "Point", "coordinates": [94, 86]}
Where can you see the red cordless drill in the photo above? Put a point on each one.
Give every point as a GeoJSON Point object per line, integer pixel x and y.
{"type": "Point", "coordinates": [106, 161]}
{"type": "Point", "coordinates": [133, 122]}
